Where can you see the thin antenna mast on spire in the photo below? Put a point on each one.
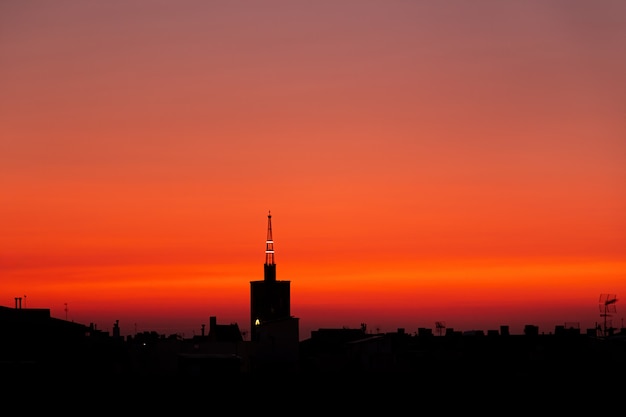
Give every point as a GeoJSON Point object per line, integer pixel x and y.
{"type": "Point", "coordinates": [269, 242]}
{"type": "Point", "coordinates": [270, 266]}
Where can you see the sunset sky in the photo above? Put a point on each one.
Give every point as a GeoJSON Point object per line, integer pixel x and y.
{"type": "Point", "coordinates": [423, 161]}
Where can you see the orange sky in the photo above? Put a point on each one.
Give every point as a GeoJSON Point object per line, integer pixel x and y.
{"type": "Point", "coordinates": [450, 161]}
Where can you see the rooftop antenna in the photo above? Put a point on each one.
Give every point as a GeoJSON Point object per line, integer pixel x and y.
{"type": "Point", "coordinates": [269, 267]}
{"type": "Point", "coordinates": [440, 326]}
{"type": "Point", "coordinates": [607, 309]}
{"type": "Point", "coordinates": [65, 311]}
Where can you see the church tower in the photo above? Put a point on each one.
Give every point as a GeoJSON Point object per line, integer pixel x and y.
{"type": "Point", "coordinates": [269, 298]}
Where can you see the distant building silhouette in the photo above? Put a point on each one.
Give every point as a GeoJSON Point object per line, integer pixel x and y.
{"type": "Point", "coordinates": [32, 340]}
{"type": "Point", "coordinates": [272, 327]}
{"type": "Point", "coordinates": [269, 298]}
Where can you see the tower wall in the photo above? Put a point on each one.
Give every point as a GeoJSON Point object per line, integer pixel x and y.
{"type": "Point", "coordinates": [269, 301]}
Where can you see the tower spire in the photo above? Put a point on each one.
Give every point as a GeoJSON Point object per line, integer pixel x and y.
{"type": "Point", "coordinates": [269, 242]}
{"type": "Point", "coordinates": [270, 266]}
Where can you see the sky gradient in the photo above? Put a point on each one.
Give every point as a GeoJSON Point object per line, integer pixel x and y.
{"type": "Point", "coordinates": [423, 161]}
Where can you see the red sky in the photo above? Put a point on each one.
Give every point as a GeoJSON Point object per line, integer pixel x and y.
{"type": "Point", "coordinates": [454, 161]}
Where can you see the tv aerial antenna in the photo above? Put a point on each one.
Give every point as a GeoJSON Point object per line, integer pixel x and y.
{"type": "Point", "coordinates": [607, 309]}
{"type": "Point", "coordinates": [440, 326]}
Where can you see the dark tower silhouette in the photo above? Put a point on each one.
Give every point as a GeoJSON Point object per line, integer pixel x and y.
{"type": "Point", "coordinates": [269, 299]}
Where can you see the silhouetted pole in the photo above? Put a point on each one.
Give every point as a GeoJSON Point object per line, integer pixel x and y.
{"type": "Point", "coordinates": [269, 268]}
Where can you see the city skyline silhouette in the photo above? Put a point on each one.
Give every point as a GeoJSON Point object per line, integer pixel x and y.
{"type": "Point", "coordinates": [35, 346]}
{"type": "Point", "coordinates": [270, 299]}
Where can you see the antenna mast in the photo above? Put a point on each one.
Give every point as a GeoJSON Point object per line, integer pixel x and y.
{"type": "Point", "coordinates": [607, 308]}
{"type": "Point", "coordinates": [269, 242]}
{"type": "Point", "coordinates": [270, 266]}
{"type": "Point", "coordinates": [440, 326]}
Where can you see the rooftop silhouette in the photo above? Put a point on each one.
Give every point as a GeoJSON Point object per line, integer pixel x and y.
{"type": "Point", "coordinates": [35, 345]}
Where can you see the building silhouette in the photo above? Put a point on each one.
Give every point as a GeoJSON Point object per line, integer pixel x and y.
{"type": "Point", "coordinates": [269, 298]}
{"type": "Point", "coordinates": [273, 330]}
